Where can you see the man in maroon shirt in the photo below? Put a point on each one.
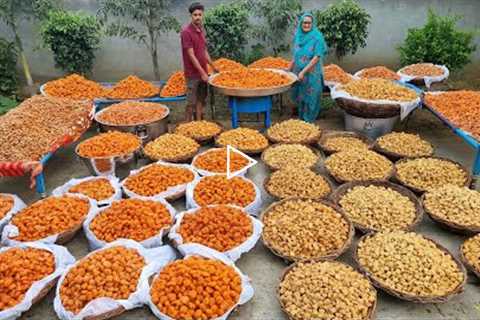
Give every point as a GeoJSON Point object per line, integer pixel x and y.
{"type": "Point", "coordinates": [195, 60]}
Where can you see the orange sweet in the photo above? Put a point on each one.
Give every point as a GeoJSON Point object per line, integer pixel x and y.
{"type": "Point", "coordinates": [132, 87]}
{"type": "Point", "coordinates": [74, 87]}
{"type": "Point", "coordinates": [271, 62]}
{"type": "Point", "coordinates": [221, 227]}
{"type": "Point", "coordinates": [176, 85]}
{"type": "Point", "coordinates": [109, 144]}
{"type": "Point", "coordinates": [334, 73]}
{"type": "Point", "coordinates": [112, 273]}
{"type": "Point", "coordinates": [129, 113]}
{"type": "Point", "coordinates": [98, 189]}
{"type": "Point", "coordinates": [216, 161]}
{"type": "Point", "coordinates": [6, 204]}
{"type": "Point", "coordinates": [19, 269]}
{"type": "Point", "coordinates": [157, 178]}
{"type": "Point", "coordinates": [379, 72]}
{"type": "Point", "coordinates": [131, 219]}
{"type": "Point", "coordinates": [220, 190]}
{"type": "Point", "coordinates": [196, 288]}
{"type": "Point", "coordinates": [50, 216]}
{"type": "Point", "coordinates": [251, 79]}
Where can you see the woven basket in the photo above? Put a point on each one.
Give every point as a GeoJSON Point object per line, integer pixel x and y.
{"type": "Point", "coordinates": [371, 310]}
{"type": "Point", "coordinates": [333, 134]}
{"type": "Point", "coordinates": [342, 190]}
{"type": "Point", "coordinates": [68, 235]}
{"type": "Point", "coordinates": [397, 179]}
{"type": "Point", "coordinates": [339, 180]}
{"type": "Point", "coordinates": [308, 141]}
{"type": "Point", "coordinates": [396, 156]}
{"type": "Point", "coordinates": [331, 256]}
{"type": "Point", "coordinates": [179, 159]}
{"type": "Point", "coordinates": [448, 225]}
{"type": "Point", "coordinates": [368, 110]}
{"type": "Point", "coordinates": [246, 151]}
{"type": "Point", "coordinates": [45, 290]}
{"type": "Point", "coordinates": [107, 315]}
{"type": "Point", "coordinates": [273, 168]}
{"type": "Point", "coordinates": [204, 139]}
{"type": "Point", "coordinates": [278, 197]}
{"type": "Point", "coordinates": [410, 297]}
{"type": "Point", "coordinates": [467, 263]}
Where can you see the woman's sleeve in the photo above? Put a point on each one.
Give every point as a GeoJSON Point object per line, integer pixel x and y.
{"type": "Point", "coordinates": [321, 47]}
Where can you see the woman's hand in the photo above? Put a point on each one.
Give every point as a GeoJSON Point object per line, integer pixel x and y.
{"type": "Point", "coordinates": [301, 75]}
{"type": "Point", "coordinates": [290, 66]}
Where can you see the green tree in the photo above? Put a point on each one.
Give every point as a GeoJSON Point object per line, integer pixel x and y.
{"type": "Point", "coordinates": [227, 29]}
{"type": "Point", "coordinates": [73, 38]}
{"type": "Point", "coordinates": [141, 20]}
{"type": "Point", "coordinates": [344, 26]}
{"type": "Point", "coordinates": [8, 69]}
{"type": "Point", "coordinates": [438, 41]}
{"type": "Point", "coordinates": [277, 19]}
{"type": "Point", "coordinates": [13, 11]}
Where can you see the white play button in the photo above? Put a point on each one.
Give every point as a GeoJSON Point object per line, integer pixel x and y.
{"type": "Point", "coordinates": [251, 162]}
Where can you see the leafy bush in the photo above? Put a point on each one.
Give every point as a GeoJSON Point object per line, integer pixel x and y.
{"type": "Point", "coordinates": [227, 30]}
{"type": "Point", "coordinates": [73, 39]}
{"type": "Point", "coordinates": [344, 26]}
{"type": "Point", "coordinates": [277, 19]}
{"type": "Point", "coordinates": [256, 52]}
{"type": "Point", "coordinates": [438, 41]}
{"type": "Point", "coordinates": [6, 104]}
{"type": "Point", "coordinates": [14, 12]}
{"type": "Point", "coordinates": [8, 69]}
{"type": "Point", "coordinates": [151, 18]}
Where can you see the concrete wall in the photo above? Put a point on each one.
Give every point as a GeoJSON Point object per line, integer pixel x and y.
{"type": "Point", "coordinates": [390, 21]}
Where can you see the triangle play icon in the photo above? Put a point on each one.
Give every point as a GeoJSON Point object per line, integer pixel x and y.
{"type": "Point", "coordinates": [251, 162]}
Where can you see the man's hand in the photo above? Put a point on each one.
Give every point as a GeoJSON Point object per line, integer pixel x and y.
{"type": "Point", "coordinates": [204, 76]}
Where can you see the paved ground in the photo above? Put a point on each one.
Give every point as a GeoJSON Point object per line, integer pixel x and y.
{"type": "Point", "coordinates": [263, 267]}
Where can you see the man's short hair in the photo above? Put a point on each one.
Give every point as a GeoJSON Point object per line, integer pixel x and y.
{"type": "Point", "coordinates": [195, 6]}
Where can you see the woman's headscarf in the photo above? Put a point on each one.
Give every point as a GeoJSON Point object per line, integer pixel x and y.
{"type": "Point", "coordinates": [302, 37]}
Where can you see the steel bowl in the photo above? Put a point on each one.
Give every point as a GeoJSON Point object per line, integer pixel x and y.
{"type": "Point", "coordinates": [104, 166]}
{"type": "Point", "coordinates": [145, 131]}
{"type": "Point", "coordinates": [258, 92]}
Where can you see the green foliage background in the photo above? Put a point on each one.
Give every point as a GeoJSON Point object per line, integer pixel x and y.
{"type": "Point", "coordinates": [73, 38]}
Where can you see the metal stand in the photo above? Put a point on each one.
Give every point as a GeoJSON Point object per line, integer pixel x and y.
{"type": "Point", "coordinates": [250, 105]}
{"type": "Point", "coordinates": [40, 179]}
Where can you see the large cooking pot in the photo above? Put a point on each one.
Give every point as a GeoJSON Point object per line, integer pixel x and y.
{"type": "Point", "coordinates": [145, 131]}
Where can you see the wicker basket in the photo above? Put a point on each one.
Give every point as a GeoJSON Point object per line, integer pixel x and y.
{"type": "Point", "coordinates": [448, 225]}
{"type": "Point", "coordinates": [410, 297]}
{"type": "Point", "coordinates": [467, 263]}
{"type": "Point", "coordinates": [331, 256]}
{"type": "Point", "coordinates": [205, 139]}
{"type": "Point", "coordinates": [273, 168]}
{"type": "Point", "coordinates": [368, 110]}
{"type": "Point", "coordinates": [341, 191]}
{"type": "Point", "coordinates": [371, 310]}
{"type": "Point", "coordinates": [396, 156]}
{"type": "Point", "coordinates": [339, 180]}
{"type": "Point", "coordinates": [179, 159]}
{"type": "Point", "coordinates": [334, 134]}
{"type": "Point", "coordinates": [45, 290]}
{"type": "Point", "coordinates": [308, 141]}
{"type": "Point", "coordinates": [397, 179]}
{"type": "Point", "coordinates": [107, 315]}
{"type": "Point", "coordinates": [278, 197]}
{"type": "Point", "coordinates": [246, 151]}
{"type": "Point", "coordinates": [68, 235]}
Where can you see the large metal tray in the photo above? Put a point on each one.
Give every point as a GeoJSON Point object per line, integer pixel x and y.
{"type": "Point", "coordinates": [260, 92]}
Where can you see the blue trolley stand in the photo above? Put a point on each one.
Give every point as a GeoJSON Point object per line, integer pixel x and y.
{"type": "Point", "coordinates": [239, 105]}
